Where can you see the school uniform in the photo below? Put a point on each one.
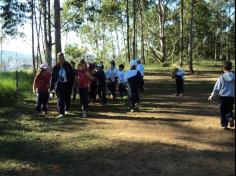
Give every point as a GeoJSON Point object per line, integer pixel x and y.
{"type": "Point", "coordinates": [112, 77]}
{"type": "Point", "coordinates": [93, 86]}
{"type": "Point", "coordinates": [122, 83]}
{"type": "Point", "coordinates": [225, 87]}
{"type": "Point", "coordinates": [140, 68]}
{"type": "Point", "coordinates": [100, 77]}
{"type": "Point", "coordinates": [84, 81]}
{"type": "Point", "coordinates": [62, 81]}
{"type": "Point", "coordinates": [133, 78]}
{"type": "Point", "coordinates": [179, 79]}
{"type": "Point", "coordinates": [42, 84]}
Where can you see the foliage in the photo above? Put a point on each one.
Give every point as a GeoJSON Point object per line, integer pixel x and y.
{"type": "Point", "coordinates": [15, 15]}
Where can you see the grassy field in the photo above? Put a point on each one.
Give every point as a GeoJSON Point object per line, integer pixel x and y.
{"type": "Point", "coordinates": [169, 136]}
{"type": "Point", "coordinates": [8, 86]}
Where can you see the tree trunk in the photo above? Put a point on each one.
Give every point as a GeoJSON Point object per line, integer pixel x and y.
{"type": "Point", "coordinates": [57, 11]}
{"type": "Point", "coordinates": [134, 28]}
{"type": "Point", "coordinates": [142, 32]}
{"type": "Point", "coordinates": [161, 13]}
{"type": "Point", "coordinates": [128, 27]}
{"type": "Point", "coordinates": [190, 49]}
{"type": "Point", "coordinates": [123, 34]}
{"type": "Point", "coordinates": [182, 33]}
{"type": "Point", "coordinates": [32, 28]}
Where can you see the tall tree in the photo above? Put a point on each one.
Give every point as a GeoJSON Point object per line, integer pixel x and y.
{"type": "Point", "coordinates": [181, 32]}
{"type": "Point", "coordinates": [190, 47]}
{"type": "Point", "coordinates": [57, 24]}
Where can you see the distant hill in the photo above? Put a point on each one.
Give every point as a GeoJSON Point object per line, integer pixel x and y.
{"type": "Point", "coordinates": [21, 57]}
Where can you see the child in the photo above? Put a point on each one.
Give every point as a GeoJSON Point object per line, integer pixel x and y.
{"type": "Point", "coordinates": [83, 81]}
{"type": "Point", "coordinates": [133, 77]}
{"type": "Point", "coordinates": [178, 75]}
{"type": "Point", "coordinates": [40, 86]}
{"type": "Point", "coordinates": [140, 68]}
{"type": "Point", "coordinates": [72, 63]}
{"type": "Point", "coordinates": [100, 77]}
{"type": "Point", "coordinates": [112, 77]}
{"type": "Point", "coordinates": [93, 86]}
{"type": "Point", "coordinates": [122, 81]}
{"type": "Point", "coordinates": [225, 86]}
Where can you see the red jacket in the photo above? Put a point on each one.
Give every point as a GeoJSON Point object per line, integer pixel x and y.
{"type": "Point", "coordinates": [83, 78]}
{"type": "Point", "coordinates": [42, 82]}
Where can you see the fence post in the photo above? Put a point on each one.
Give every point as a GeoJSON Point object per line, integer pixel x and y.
{"type": "Point", "coordinates": [17, 82]}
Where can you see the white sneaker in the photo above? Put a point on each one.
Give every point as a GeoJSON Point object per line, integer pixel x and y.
{"type": "Point", "coordinates": [60, 116]}
{"type": "Point", "coordinates": [67, 112]}
{"type": "Point", "coordinates": [84, 114]}
{"type": "Point", "coordinates": [132, 110]}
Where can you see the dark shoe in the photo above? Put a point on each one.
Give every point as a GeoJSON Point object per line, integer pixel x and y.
{"type": "Point", "coordinates": [231, 122]}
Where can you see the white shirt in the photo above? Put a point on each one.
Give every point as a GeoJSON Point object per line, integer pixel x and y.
{"type": "Point", "coordinates": [121, 77]}
{"type": "Point", "coordinates": [140, 68]}
{"type": "Point", "coordinates": [112, 74]}
{"type": "Point", "coordinates": [62, 74]}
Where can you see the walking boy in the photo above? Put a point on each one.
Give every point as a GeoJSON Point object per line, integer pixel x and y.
{"type": "Point", "coordinates": [122, 81]}
{"type": "Point", "coordinates": [140, 68]}
{"type": "Point", "coordinates": [225, 87]}
{"type": "Point", "coordinates": [178, 75]}
{"type": "Point", "coordinates": [133, 77]}
{"type": "Point", "coordinates": [112, 77]}
{"type": "Point", "coordinates": [100, 77]}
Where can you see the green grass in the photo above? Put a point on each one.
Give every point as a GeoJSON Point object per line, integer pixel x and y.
{"type": "Point", "coordinates": [169, 136]}
{"type": "Point", "coordinates": [8, 86]}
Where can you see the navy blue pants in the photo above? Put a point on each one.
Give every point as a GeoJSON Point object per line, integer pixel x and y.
{"type": "Point", "coordinates": [93, 90]}
{"type": "Point", "coordinates": [179, 85]}
{"type": "Point", "coordinates": [84, 98]}
{"type": "Point", "coordinates": [42, 101]}
{"type": "Point", "coordinates": [112, 88]}
{"type": "Point", "coordinates": [122, 90]}
{"type": "Point", "coordinates": [101, 90]}
{"type": "Point", "coordinates": [64, 91]}
{"type": "Point", "coordinates": [133, 93]}
{"type": "Point", "coordinates": [226, 110]}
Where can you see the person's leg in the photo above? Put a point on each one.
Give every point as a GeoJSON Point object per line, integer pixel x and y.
{"type": "Point", "coordinates": [68, 92]}
{"type": "Point", "coordinates": [84, 98]}
{"type": "Point", "coordinates": [121, 90]}
{"type": "Point", "coordinates": [142, 84]}
{"type": "Point", "coordinates": [223, 112]}
{"type": "Point", "coordinates": [61, 101]}
{"type": "Point", "coordinates": [104, 94]}
{"type": "Point", "coordinates": [178, 85]}
{"type": "Point", "coordinates": [229, 103]}
{"type": "Point", "coordinates": [136, 95]}
{"type": "Point", "coordinates": [45, 101]}
{"type": "Point", "coordinates": [181, 86]}
{"type": "Point", "coordinates": [39, 102]}
{"type": "Point", "coordinates": [113, 90]}
{"type": "Point", "coordinates": [74, 93]}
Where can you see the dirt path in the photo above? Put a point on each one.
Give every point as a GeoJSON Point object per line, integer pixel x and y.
{"type": "Point", "coordinates": [169, 136]}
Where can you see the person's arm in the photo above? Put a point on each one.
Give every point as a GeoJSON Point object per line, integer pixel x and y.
{"type": "Point", "coordinates": [34, 84]}
{"type": "Point", "coordinates": [53, 79]}
{"type": "Point", "coordinates": [216, 89]}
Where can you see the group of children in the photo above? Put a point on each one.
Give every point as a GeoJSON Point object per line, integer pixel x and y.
{"type": "Point", "coordinates": [92, 81]}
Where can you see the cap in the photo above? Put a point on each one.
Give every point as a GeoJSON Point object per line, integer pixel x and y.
{"type": "Point", "coordinates": [44, 66]}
